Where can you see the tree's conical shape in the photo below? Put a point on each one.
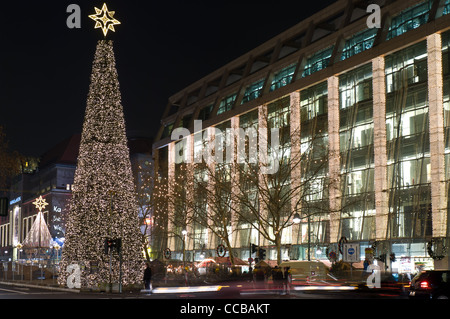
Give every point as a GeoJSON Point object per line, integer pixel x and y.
{"type": "Point", "coordinates": [39, 235]}
{"type": "Point", "coordinates": [104, 203]}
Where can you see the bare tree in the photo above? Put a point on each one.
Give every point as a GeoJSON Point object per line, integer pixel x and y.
{"type": "Point", "coordinates": [179, 215]}
{"type": "Point", "coordinates": [269, 202]}
{"type": "Point", "coordinates": [266, 188]}
{"type": "Point", "coordinates": [212, 205]}
{"type": "Point", "coordinates": [151, 190]}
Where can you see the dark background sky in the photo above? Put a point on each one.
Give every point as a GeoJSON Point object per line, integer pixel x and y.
{"type": "Point", "coordinates": [161, 47]}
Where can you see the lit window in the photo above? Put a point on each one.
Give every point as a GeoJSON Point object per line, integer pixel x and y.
{"type": "Point", "coordinates": [446, 8]}
{"type": "Point", "coordinates": [227, 104]}
{"type": "Point", "coordinates": [358, 43]}
{"type": "Point", "coordinates": [317, 62]}
{"type": "Point", "coordinates": [253, 91]}
{"type": "Point", "coordinates": [409, 19]}
{"type": "Point", "coordinates": [283, 77]}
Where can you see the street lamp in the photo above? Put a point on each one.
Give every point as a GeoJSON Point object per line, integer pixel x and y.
{"type": "Point", "coordinates": [296, 219]}
{"type": "Point", "coordinates": [184, 233]}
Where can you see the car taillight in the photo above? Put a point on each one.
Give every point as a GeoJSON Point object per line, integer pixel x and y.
{"type": "Point", "coordinates": [424, 285]}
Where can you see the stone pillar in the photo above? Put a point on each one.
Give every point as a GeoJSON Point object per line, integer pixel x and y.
{"type": "Point", "coordinates": [170, 191]}
{"type": "Point", "coordinates": [437, 144]}
{"type": "Point", "coordinates": [334, 161]}
{"type": "Point", "coordinates": [211, 164]}
{"type": "Point", "coordinates": [235, 180]}
{"type": "Point", "coordinates": [295, 162]}
{"type": "Point", "coordinates": [190, 196]}
{"type": "Point", "coordinates": [263, 156]}
{"type": "Point", "coordinates": [380, 157]}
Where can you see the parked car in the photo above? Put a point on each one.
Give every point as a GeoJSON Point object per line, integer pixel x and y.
{"type": "Point", "coordinates": [431, 284]}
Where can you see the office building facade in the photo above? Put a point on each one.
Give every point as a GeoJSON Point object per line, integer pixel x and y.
{"type": "Point", "coordinates": [377, 98]}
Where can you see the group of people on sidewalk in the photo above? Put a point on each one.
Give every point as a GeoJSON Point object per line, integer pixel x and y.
{"type": "Point", "coordinates": [281, 278]}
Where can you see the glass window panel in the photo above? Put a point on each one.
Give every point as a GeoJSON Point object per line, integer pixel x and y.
{"type": "Point", "coordinates": [253, 91]}
{"type": "Point", "coordinates": [314, 142]}
{"type": "Point", "coordinates": [314, 102]}
{"type": "Point", "coordinates": [317, 62]}
{"type": "Point", "coordinates": [167, 130]}
{"type": "Point", "coordinates": [409, 19]}
{"type": "Point", "coordinates": [358, 43]}
{"type": "Point", "coordinates": [446, 9]}
{"type": "Point", "coordinates": [205, 113]}
{"type": "Point", "coordinates": [283, 77]}
{"type": "Point", "coordinates": [227, 104]}
{"type": "Point", "coordinates": [408, 147]}
{"type": "Point", "coordinates": [249, 119]}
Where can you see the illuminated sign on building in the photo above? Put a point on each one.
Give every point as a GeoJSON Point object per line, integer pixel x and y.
{"type": "Point", "coordinates": [15, 200]}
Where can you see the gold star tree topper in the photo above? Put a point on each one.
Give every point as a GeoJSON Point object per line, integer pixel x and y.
{"type": "Point", "coordinates": [40, 203]}
{"type": "Point", "coordinates": [104, 19]}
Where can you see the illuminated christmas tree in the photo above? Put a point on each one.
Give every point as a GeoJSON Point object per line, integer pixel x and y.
{"type": "Point", "coordinates": [104, 204]}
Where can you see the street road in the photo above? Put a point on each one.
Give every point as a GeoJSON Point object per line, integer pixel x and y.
{"type": "Point", "coordinates": [18, 292]}
{"type": "Point", "coordinates": [227, 291]}
{"type": "Point", "coordinates": [230, 298]}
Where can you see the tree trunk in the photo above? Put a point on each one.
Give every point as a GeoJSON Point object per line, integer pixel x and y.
{"type": "Point", "coordinates": [278, 246]}
{"type": "Point", "coordinates": [230, 251]}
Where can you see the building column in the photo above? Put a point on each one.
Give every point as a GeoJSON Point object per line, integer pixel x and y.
{"type": "Point", "coordinates": [211, 195]}
{"type": "Point", "coordinates": [263, 156]}
{"type": "Point", "coordinates": [380, 151]}
{"type": "Point", "coordinates": [334, 158]}
{"type": "Point", "coordinates": [170, 191]}
{"type": "Point", "coordinates": [190, 196]}
{"type": "Point", "coordinates": [235, 180]}
{"type": "Point", "coordinates": [437, 144]}
{"type": "Point", "coordinates": [295, 126]}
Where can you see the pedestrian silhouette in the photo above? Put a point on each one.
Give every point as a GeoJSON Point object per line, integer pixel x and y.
{"type": "Point", "coordinates": [148, 277]}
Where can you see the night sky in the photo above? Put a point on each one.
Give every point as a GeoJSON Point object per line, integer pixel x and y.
{"type": "Point", "coordinates": [161, 47]}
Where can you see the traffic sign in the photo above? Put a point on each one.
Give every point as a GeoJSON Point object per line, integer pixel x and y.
{"type": "Point", "coordinates": [351, 253]}
{"type": "Point", "coordinates": [221, 250]}
{"type": "Point", "coordinates": [332, 256]}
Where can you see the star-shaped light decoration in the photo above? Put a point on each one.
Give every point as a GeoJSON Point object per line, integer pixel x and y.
{"type": "Point", "coordinates": [104, 19]}
{"type": "Point", "coordinates": [40, 203]}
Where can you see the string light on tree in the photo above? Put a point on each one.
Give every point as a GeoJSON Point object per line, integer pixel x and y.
{"type": "Point", "coordinates": [104, 203]}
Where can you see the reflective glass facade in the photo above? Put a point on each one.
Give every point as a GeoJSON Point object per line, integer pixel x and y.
{"type": "Point", "coordinates": [283, 77]}
{"type": "Point", "coordinates": [446, 99]}
{"type": "Point", "coordinates": [409, 19]}
{"type": "Point", "coordinates": [446, 9]}
{"type": "Point", "coordinates": [253, 91]}
{"type": "Point", "coordinates": [227, 104]}
{"type": "Point", "coordinates": [368, 152]}
{"type": "Point", "coordinates": [357, 154]}
{"type": "Point", "coordinates": [317, 62]}
{"type": "Point", "coordinates": [314, 167]}
{"type": "Point", "coordinates": [358, 43]}
{"type": "Point", "coordinates": [408, 148]}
